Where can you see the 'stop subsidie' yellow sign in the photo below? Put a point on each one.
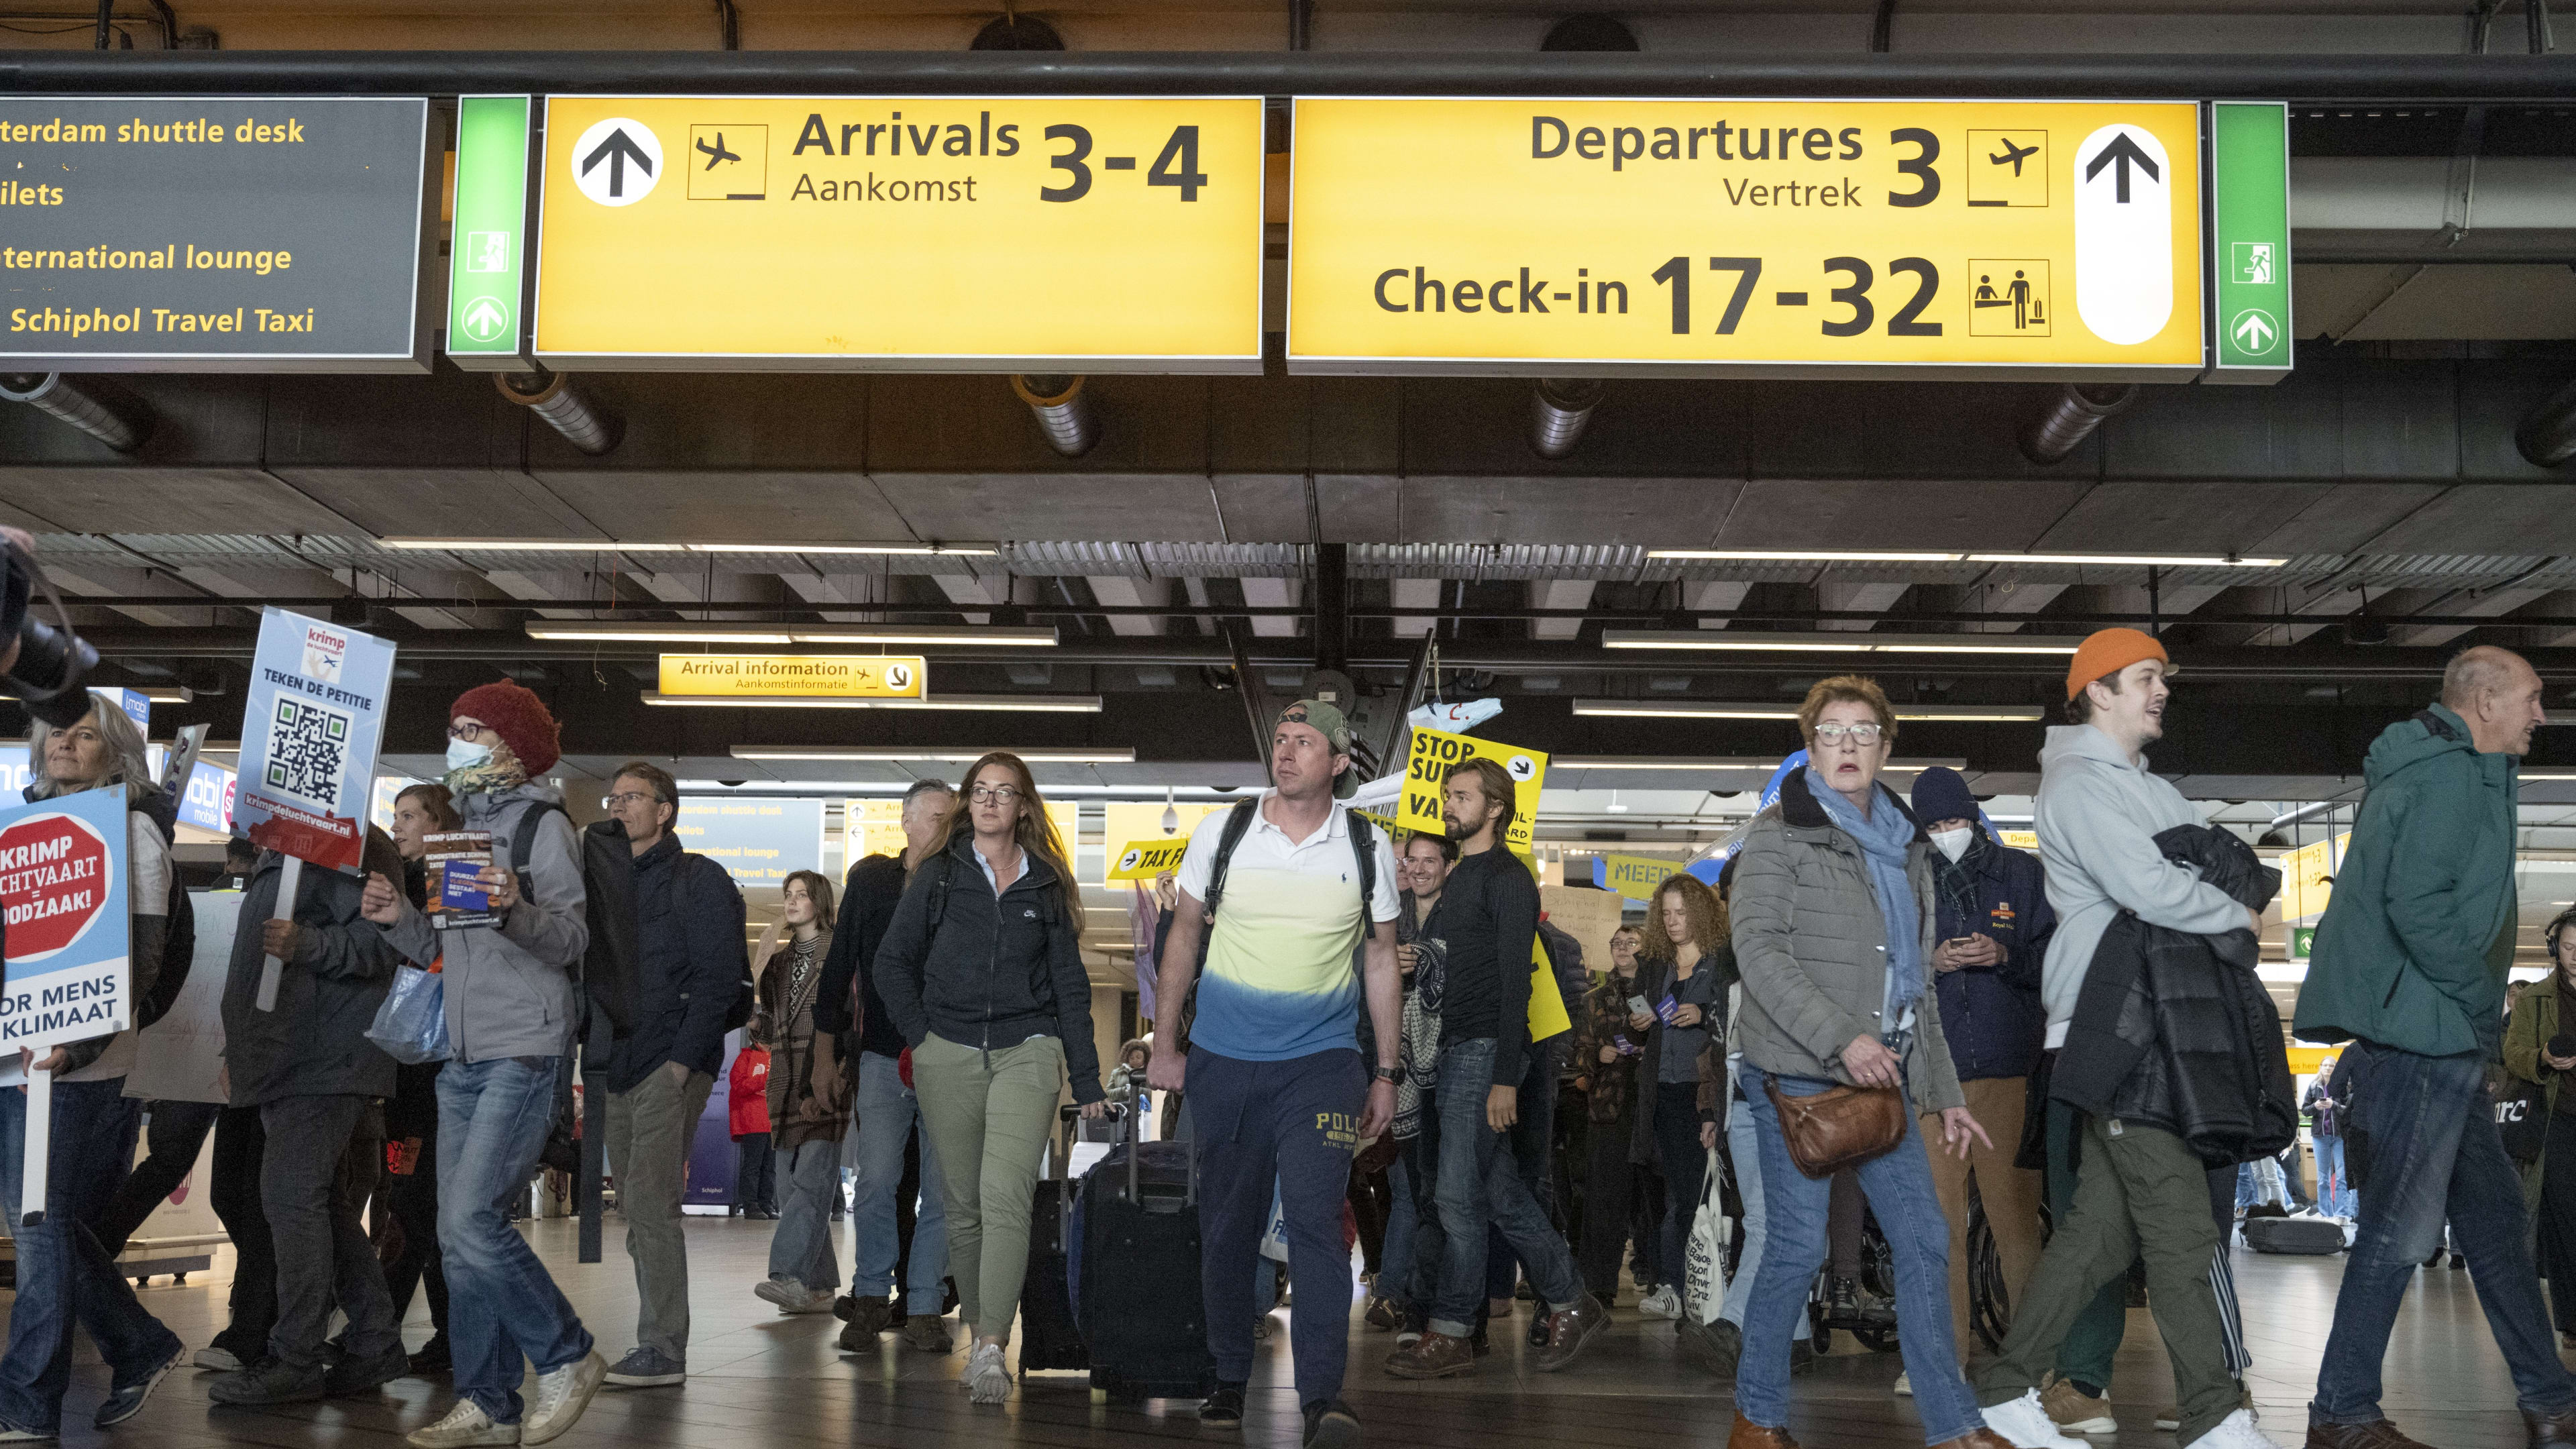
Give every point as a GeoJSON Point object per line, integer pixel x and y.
{"type": "Point", "coordinates": [1777, 238]}
{"type": "Point", "coordinates": [779, 676]}
{"type": "Point", "coordinates": [926, 233]}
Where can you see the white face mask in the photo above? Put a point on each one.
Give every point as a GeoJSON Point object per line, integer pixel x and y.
{"type": "Point", "coordinates": [1952, 843]}
{"type": "Point", "coordinates": [466, 754]}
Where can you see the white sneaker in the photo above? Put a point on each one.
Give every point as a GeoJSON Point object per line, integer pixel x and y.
{"type": "Point", "coordinates": [2236, 1431]}
{"type": "Point", "coordinates": [1662, 1303]}
{"type": "Point", "coordinates": [2028, 1426]}
{"type": "Point", "coordinates": [818, 1301]}
{"type": "Point", "coordinates": [562, 1396]}
{"type": "Point", "coordinates": [1904, 1386]}
{"type": "Point", "coordinates": [221, 1360]}
{"type": "Point", "coordinates": [988, 1380]}
{"type": "Point", "coordinates": [464, 1425]}
{"type": "Point", "coordinates": [787, 1293]}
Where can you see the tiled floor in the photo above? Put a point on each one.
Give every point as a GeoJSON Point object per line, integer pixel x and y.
{"type": "Point", "coordinates": [760, 1379]}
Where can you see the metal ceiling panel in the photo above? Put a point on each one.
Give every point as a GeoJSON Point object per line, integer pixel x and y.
{"type": "Point", "coordinates": [2487, 518]}
{"type": "Point", "coordinates": [1603, 510]}
{"type": "Point", "coordinates": [2180, 517]}
{"type": "Point", "coordinates": [1896, 515]}
{"type": "Point", "coordinates": [436, 502]}
{"type": "Point", "coordinates": [210, 499]}
{"type": "Point", "coordinates": [2477, 304]}
{"type": "Point", "coordinates": [730, 506]}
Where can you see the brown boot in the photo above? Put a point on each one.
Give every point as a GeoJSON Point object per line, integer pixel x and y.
{"type": "Point", "coordinates": [2551, 1431]}
{"type": "Point", "coordinates": [1749, 1435]}
{"type": "Point", "coordinates": [929, 1333]}
{"type": "Point", "coordinates": [1976, 1439]}
{"type": "Point", "coordinates": [1433, 1356]}
{"type": "Point", "coordinates": [2378, 1434]}
{"type": "Point", "coordinates": [1568, 1331]}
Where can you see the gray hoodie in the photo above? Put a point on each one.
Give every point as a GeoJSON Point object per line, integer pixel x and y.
{"type": "Point", "coordinates": [2098, 816]}
{"type": "Point", "coordinates": [510, 987]}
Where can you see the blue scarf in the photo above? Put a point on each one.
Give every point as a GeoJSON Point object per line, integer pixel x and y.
{"type": "Point", "coordinates": [1884, 838]}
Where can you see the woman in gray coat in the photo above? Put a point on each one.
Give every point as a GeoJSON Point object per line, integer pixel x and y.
{"type": "Point", "coordinates": [1832, 922]}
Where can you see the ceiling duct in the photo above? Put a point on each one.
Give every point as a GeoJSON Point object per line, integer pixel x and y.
{"type": "Point", "coordinates": [565, 408]}
{"type": "Point", "coordinates": [1063, 411]}
{"type": "Point", "coordinates": [1560, 409]}
{"type": "Point", "coordinates": [2547, 434]}
{"type": "Point", "coordinates": [2070, 416]}
{"type": "Point", "coordinates": [101, 409]}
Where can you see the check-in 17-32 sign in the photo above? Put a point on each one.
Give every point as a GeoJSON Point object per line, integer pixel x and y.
{"type": "Point", "coordinates": [922, 233]}
{"type": "Point", "coordinates": [1789, 238]}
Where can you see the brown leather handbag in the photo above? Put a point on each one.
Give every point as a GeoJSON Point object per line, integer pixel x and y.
{"type": "Point", "coordinates": [1838, 1127]}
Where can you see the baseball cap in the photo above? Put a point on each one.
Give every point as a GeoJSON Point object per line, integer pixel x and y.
{"type": "Point", "coordinates": [1326, 720]}
{"type": "Point", "coordinates": [2107, 652]}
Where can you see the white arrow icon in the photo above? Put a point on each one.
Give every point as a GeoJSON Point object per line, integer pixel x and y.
{"type": "Point", "coordinates": [2254, 330]}
{"type": "Point", "coordinates": [486, 319]}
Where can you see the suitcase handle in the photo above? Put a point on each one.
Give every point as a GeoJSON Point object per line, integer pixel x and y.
{"type": "Point", "coordinates": [1129, 1122]}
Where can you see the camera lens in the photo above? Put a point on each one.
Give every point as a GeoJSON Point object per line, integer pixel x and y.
{"type": "Point", "coordinates": [52, 673]}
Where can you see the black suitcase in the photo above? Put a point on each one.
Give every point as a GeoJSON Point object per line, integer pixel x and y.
{"type": "Point", "coordinates": [2312, 1236]}
{"type": "Point", "coordinates": [1136, 1273]}
{"type": "Point", "coordinates": [1049, 1338]}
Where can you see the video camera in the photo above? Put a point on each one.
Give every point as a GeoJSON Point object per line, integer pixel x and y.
{"type": "Point", "coordinates": [51, 673]}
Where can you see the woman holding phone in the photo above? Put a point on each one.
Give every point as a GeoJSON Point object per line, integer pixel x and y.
{"type": "Point", "coordinates": [1677, 1008]}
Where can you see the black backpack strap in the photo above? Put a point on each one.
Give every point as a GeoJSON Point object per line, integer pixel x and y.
{"type": "Point", "coordinates": [523, 838]}
{"type": "Point", "coordinates": [939, 893]}
{"type": "Point", "coordinates": [1238, 823]}
{"type": "Point", "coordinates": [1364, 846]}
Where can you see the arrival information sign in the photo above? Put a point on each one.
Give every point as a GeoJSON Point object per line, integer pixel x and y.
{"type": "Point", "coordinates": [224, 234]}
{"type": "Point", "coordinates": [921, 234]}
{"type": "Point", "coordinates": [1770, 238]}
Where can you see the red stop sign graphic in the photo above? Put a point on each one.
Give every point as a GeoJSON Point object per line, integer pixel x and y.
{"type": "Point", "coordinates": [53, 882]}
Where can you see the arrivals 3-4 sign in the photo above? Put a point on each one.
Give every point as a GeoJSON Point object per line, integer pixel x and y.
{"type": "Point", "coordinates": [1783, 238]}
{"type": "Point", "coordinates": [927, 233]}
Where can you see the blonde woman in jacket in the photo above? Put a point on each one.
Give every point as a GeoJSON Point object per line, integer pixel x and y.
{"type": "Point", "coordinates": [809, 1101]}
{"type": "Point", "coordinates": [2543, 1011]}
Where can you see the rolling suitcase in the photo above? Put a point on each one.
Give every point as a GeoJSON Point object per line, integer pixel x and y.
{"type": "Point", "coordinates": [1049, 1338]}
{"type": "Point", "coordinates": [2313, 1236]}
{"type": "Point", "coordinates": [1135, 1273]}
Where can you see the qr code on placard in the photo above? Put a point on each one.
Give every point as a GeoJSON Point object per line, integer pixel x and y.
{"type": "Point", "coordinates": [308, 752]}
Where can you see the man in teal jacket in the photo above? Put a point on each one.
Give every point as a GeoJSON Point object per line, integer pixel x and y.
{"type": "Point", "coordinates": [2410, 965]}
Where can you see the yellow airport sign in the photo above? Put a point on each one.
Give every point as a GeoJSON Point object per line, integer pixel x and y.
{"type": "Point", "coordinates": [1636, 877]}
{"type": "Point", "coordinates": [1815, 238]}
{"type": "Point", "coordinates": [913, 233]}
{"type": "Point", "coordinates": [772, 676]}
{"type": "Point", "coordinates": [1146, 859]}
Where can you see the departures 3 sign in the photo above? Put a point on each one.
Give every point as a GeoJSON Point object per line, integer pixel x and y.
{"type": "Point", "coordinates": [924, 233]}
{"type": "Point", "coordinates": [1778, 238]}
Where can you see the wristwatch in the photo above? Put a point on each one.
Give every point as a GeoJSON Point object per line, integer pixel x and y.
{"type": "Point", "coordinates": [1385, 1074]}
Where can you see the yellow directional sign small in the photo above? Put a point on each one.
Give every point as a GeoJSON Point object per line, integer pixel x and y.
{"type": "Point", "coordinates": [771, 676]}
{"type": "Point", "coordinates": [1146, 859]}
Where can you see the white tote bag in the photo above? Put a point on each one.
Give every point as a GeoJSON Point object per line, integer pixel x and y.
{"type": "Point", "coordinates": [1704, 1257]}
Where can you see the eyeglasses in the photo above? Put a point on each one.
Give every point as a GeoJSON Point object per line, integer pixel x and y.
{"type": "Point", "coordinates": [625, 797]}
{"type": "Point", "coordinates": [1835, 733]}
{"type": "Point", "coordinates": [464, 731]}
{"type": "Point", "coordinates": [994, 794]}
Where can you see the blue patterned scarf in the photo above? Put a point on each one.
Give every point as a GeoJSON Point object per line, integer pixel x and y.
{"type": "Point", "coordinates": [1884, 838]}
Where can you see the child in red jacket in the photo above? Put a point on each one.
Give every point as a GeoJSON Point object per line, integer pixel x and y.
{"type": "Point", "coordinates": [755, 1179]}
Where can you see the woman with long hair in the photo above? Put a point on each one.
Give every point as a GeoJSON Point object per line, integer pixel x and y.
{"type": "Point", "coordinates": [2544, 1013]}
{"type": "Point", "coordinates": [1685, 965]}
{"type": "Point", "coordinates": [809, 1099]}
{"type": "Point", "coordinates": [982, 972]}
{"type": "Point", "coordinates": [411, 1115]}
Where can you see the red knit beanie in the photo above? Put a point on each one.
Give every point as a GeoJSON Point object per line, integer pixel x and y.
{"type": "Point", "coordinates": [515, 714]}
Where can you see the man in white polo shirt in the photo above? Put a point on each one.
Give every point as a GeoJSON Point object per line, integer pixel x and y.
{"type": "Point", "coordinates": [1283, 889]}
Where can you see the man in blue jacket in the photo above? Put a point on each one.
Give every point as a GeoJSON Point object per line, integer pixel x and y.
{"type": "Point", "coordinates": [1992, 929]}
{"type": "Point", "coordinates": [2410, 964]}
{"type": "Point", "coordinates": [689, 921]}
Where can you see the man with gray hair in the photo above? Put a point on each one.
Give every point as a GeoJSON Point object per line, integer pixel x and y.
{"type": "Point", "coordinates": [2409, 965]}
{"type": "Point", "coordinates": [887, 1117]}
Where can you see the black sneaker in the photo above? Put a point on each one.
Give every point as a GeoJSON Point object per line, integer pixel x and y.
{"type": "Point", "coordinates": [1538, 1328]}
{"type": "Point", "coordinates": [433, 1357]}
{"type": "Point", "coordinates": [269, 1382]}
{"type": "Point", "coordinates": [126, 1402]}
{"type": "Point", "coordinates": [350, 1374]}
{"type": "Point", "coordinates": [1332, 1426]}
{"type": "Point", "coordinates": [1843, 1303]}
{"type": "Point", "coordinates": [1223, 1408]}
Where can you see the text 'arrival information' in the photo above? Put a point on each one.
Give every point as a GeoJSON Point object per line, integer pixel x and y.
{"type": "Point", "coordinates": [922, 233]}
{"type": "Point", "coordinates": [1781, 238]}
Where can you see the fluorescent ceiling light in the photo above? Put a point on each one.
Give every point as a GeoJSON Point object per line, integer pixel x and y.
{"type": "Point", "coordinates": [688, 633]}
{"type": "Point", "coordinates": [2529, 775]}
{"type": "Point", "coordinates": [536, 545]}
{"type": "Point", "coordinates": [1693, 763]}
{"type": "Point", "coordinates": [1830, 641]}
{"type": "Point", "coordinates": [1017, 703]}
{"type": "Point", "coordinates": [976, 550]}
{"type": "Point", "coordinates": [1719, 709]}
{"type": "Point", "coordinates": [2147, 560]}
{"type": "Point", "coordinates": [936, 753]}
{"type": "Point", "coordinates": [1804, 555]}
{"type": "Point", "coordinates": [169, 694]}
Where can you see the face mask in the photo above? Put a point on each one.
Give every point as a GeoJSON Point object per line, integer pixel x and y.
{"type": "Point", "coordinates": [465, 754]}
{"type": "Point", "coordinates": [1952, 843]}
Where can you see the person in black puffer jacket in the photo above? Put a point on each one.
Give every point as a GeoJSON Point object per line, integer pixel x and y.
{"type": "Point", "coordinates": [982, 972]}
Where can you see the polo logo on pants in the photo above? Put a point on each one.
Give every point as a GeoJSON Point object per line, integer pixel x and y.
{"type": "Point", "coordinates": [1338, 1129]}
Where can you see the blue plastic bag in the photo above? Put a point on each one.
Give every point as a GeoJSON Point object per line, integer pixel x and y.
{"type": "Point", "coordinates": [411, 1025]}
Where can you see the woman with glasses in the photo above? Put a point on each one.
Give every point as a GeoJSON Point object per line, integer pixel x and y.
{"type": "Point", "coordinates": [1832, 921]}
{"type": "Point", "coordinates": [981, 971]}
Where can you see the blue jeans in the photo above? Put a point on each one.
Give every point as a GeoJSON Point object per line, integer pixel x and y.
{"type": "Point", "coordinates": [1685, 1165]}
{"type": "Point", "coordinates": [2335, 1197]}
{"type": "Point", "coordinates": [886, 1114]}
{"type": "Point", "coordinates": [1395, 1260]}
{"type": "Point", "coordinates": [801, 1248]}
{"type": "Point", "coordinates": [65, 1275]}
{"type": "Point", "coordinates": [1745, 1148]}
{"type": "Point", "coordinates": [2426, 1130]}
{"type": "Point", "coordinates": [492, 1121]}
{"type": "Point", "coordinates": [1477, 1183]}
{"type": "Point", "coordinates": [1898, 1185]}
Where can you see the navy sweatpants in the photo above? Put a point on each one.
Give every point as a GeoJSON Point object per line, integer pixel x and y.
{"type": "Point", "coordinates": [1294, 1123]}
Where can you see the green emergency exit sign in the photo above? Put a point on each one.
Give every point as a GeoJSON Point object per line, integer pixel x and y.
{"type": "Point", "coordinates": [487, 260]}
{"type": "Point", "coordinates": [2250, 236]}
{"type": "Point", "coordinates": [2303, 942]}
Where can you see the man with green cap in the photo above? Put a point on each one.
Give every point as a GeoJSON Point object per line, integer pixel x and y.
{"type": "Point", "coordinates": [1283, 889]}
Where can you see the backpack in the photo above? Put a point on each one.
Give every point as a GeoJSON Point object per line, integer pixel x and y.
{"type": "Point", "coordinates": [179, 941]}
{"type": "Point", "coordinates": [610, 969]}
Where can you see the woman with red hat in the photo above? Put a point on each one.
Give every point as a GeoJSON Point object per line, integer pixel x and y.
{"type": "Point", "coordinates": [511, 1013]}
